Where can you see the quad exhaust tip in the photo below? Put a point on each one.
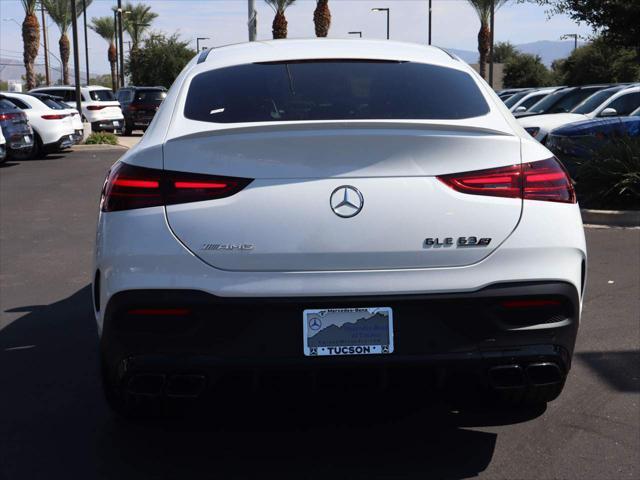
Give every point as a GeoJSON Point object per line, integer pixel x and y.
{"type": "Point", "coordinates": [506, 376]}
{"type": "Point", "coordinates": [174, 386]}
{"type": "Point", "coordinates": [544, 373]}
{"type": "Point", "coordinates": [514, 376]}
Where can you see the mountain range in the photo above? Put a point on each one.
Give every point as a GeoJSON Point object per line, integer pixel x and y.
{"type": "Point", "coordinates": [548, 50]}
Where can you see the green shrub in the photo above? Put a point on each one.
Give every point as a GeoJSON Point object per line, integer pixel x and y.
{"type": "Point", "coordinates": [100, 138]}
{"type": "Point", "coordinates": [610, 179]}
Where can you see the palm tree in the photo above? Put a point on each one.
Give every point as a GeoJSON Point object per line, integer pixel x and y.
{"type": "Point", "coordinates": [30, 40]}
{"type": "Point", "coordinates": [104, 27]}
{"type": "Point", "coordinates": [322, 18]}
{"type": "Point", "coordinates": [137, 21]}
{"type": "Point", "coordinates": [60, 13]}
{"type": "Point", "coordinates": [483, 9]}
{"type": "Point", "coordinates": [279, 26]}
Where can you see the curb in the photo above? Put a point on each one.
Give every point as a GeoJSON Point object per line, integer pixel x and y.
{"type": "Point", "coordinates": [611, 218]}
{"type": "Point", "coordinates": [99, 147]}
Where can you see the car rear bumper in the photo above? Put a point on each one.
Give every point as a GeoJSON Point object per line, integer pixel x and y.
{"type": "Point", "coordinates": [107, 125]}
{"type": "Point", "coordinates": [66, 141]}
{"type": "Point", "coordinates": [471, 332]}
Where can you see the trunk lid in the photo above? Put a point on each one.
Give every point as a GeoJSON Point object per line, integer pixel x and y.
{"type": "Point", "coordinates": [285, 219]}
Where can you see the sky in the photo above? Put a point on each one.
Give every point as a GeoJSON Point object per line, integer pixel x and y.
{"type": "Point", "coordinates": [455, 24]}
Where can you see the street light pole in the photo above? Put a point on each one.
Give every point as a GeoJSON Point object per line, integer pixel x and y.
{"type": "Point", "coordinates": [121, 43]}
{"type": "Point", "coordinates": [253, 21]}
{"type": "Point", "coordinates": [46, 51]}
{"type": "Point", "coordinates": [388, 12]}
{"type": "Point", "coordinates": [76, 56]}
{"type": "Point", "coordinates": [429, 22]}
{"type": "Point", "coordinates": [571, 35]}
{"type": "Point", "coordinates": [493, 14]}
{"type": "Point", "coordinates": [86, 45]}
{"type": "Point", "coordinates": [115, 38]}
{"type": "Point", "coordinates": [198, 42]}
{"type": "Point", "coordinates": [356, 33]}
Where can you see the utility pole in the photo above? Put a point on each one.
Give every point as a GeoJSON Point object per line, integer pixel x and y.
{"type": "Point", "coordinates": [493, 14]}
{"type": "Point", "coordinates": [86, 45]}
{"type": "Point", "coordinates": [121, 39]}
{"type": "Point", "coordinates": [429, 22]}
{"type": "Point", "coordinates": [76, 57]}
{"type": "Point", "coordinates": [46, 51]}
{"type": "Point", "coordinates": [252, 21]}
{"type": "Point", "coordinates": [115, 41]}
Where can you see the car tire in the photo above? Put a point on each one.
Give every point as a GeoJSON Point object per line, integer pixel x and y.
{"type": "Point", "coordinates": [127, 130]}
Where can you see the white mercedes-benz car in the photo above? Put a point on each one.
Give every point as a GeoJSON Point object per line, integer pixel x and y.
{"type": "Point", "coordinates": [335, 209]}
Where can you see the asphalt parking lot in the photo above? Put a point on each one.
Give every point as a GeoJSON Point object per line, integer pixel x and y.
{"type": "Point", "coordinates": [55, 424]}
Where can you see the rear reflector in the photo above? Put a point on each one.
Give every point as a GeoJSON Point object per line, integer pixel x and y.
{"type": "Point", "coordinates": [531, 303]}
{"type": "Point", "coordinates": [96, 107]}
{"type": "Point", "coordinates": [127, 187]}
{"type": "Point", "coordinates": [544, 180]}
{"type": "Point", "coordinates": [54, 117]}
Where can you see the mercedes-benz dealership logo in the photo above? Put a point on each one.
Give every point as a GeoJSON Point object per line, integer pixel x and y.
{"type": "Point", "coordinates": [346, 201]}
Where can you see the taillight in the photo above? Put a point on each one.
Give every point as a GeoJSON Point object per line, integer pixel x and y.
{"type": "Point", "coordinates": [10, 116]}
{"type": "Point", "coordinates": [54, 117]}
{"type": "Point", "coordinates": [545, 180]}
{"type": "Point", "coordinates": [96, 107]}
{"type": "Point", "coordinates": [128, 187]}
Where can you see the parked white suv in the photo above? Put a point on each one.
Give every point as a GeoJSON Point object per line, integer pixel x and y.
{"type": "Point", "coordinates": [99, 105]}
{"type": "Point", "coordinates": [53, 127]}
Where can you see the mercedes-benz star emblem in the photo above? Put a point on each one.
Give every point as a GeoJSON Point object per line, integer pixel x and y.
{"type": "Point", "coordinates": [346, 201]}
{"type": "Point", "coordinates": [315, 324]}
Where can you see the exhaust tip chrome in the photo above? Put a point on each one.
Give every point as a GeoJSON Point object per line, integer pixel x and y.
{"type": "Point", "coordinates": [506, 376]}
{"type": "Point", "coordinates": [185, 386]}
{"type": "Point", "coordinates": [544, 373]}
{"type": "Point", "coordinates": [146, 384]}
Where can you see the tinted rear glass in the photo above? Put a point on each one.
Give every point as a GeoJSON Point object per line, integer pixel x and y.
{"type": "Point", "coordinates": [562, 101]}
{"type": "Point", "coordinates": [101, 95]}
{"type": "Point", "coordinates": [594, 101]}
{"type": "Point", "coordinates": [51, 103]}
{"type": "Point", "coordinates": [150, 96]}
{"type": "Point", "coordinates": [512, 100]}
{"type": "Point", "coordinates": [6, 104]}
{"type": "Point", "coordinates": [333, 90]}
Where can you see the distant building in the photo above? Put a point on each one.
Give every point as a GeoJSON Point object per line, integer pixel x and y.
{"type": "Point", "coordinates": [14, 86]}
{"type": "Point", "coordinates": [498, 74]}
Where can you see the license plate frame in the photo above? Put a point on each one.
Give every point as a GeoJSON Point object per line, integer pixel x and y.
{"type": "Point", "coordinates": [347, 331]}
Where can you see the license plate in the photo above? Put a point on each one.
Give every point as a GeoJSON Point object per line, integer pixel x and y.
{"type": "Point", "coordinates": [116, 123]}
{"type": "Point", "coordinates": [27, 139]}
{"type": "Point", "coordinates": [348, 331]}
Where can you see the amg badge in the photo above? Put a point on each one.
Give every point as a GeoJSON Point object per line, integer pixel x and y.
{"type": "Point", "coordinates": [460, 242]}
{"type": "Point", "coordinates": [242, 247]}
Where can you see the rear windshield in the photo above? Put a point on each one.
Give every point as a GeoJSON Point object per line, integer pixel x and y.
{"type": "Point", "coordinates": [101, 95]}
{"type": "Point", "coordinates": [150, 96]}
{"type": "Point", "coordinates": [513, 99]}
{"type": "Point", "coordinates": [6, 104]}
{"type": "Point", "coordinates": [562, 101]}
{"type": "Point", "coordinates": [333, 90]}
{"type": "Point", "coordinates": [594, 101]}
{"type": "Point", "coordinates": [51, 103]}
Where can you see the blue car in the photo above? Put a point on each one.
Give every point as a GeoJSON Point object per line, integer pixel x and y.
{"type": "Point", "coordinates": [578, 141]}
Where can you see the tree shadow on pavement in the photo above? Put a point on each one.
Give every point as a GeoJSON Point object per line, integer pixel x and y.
{"type": "Point", "coordinates": [55, 424]}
